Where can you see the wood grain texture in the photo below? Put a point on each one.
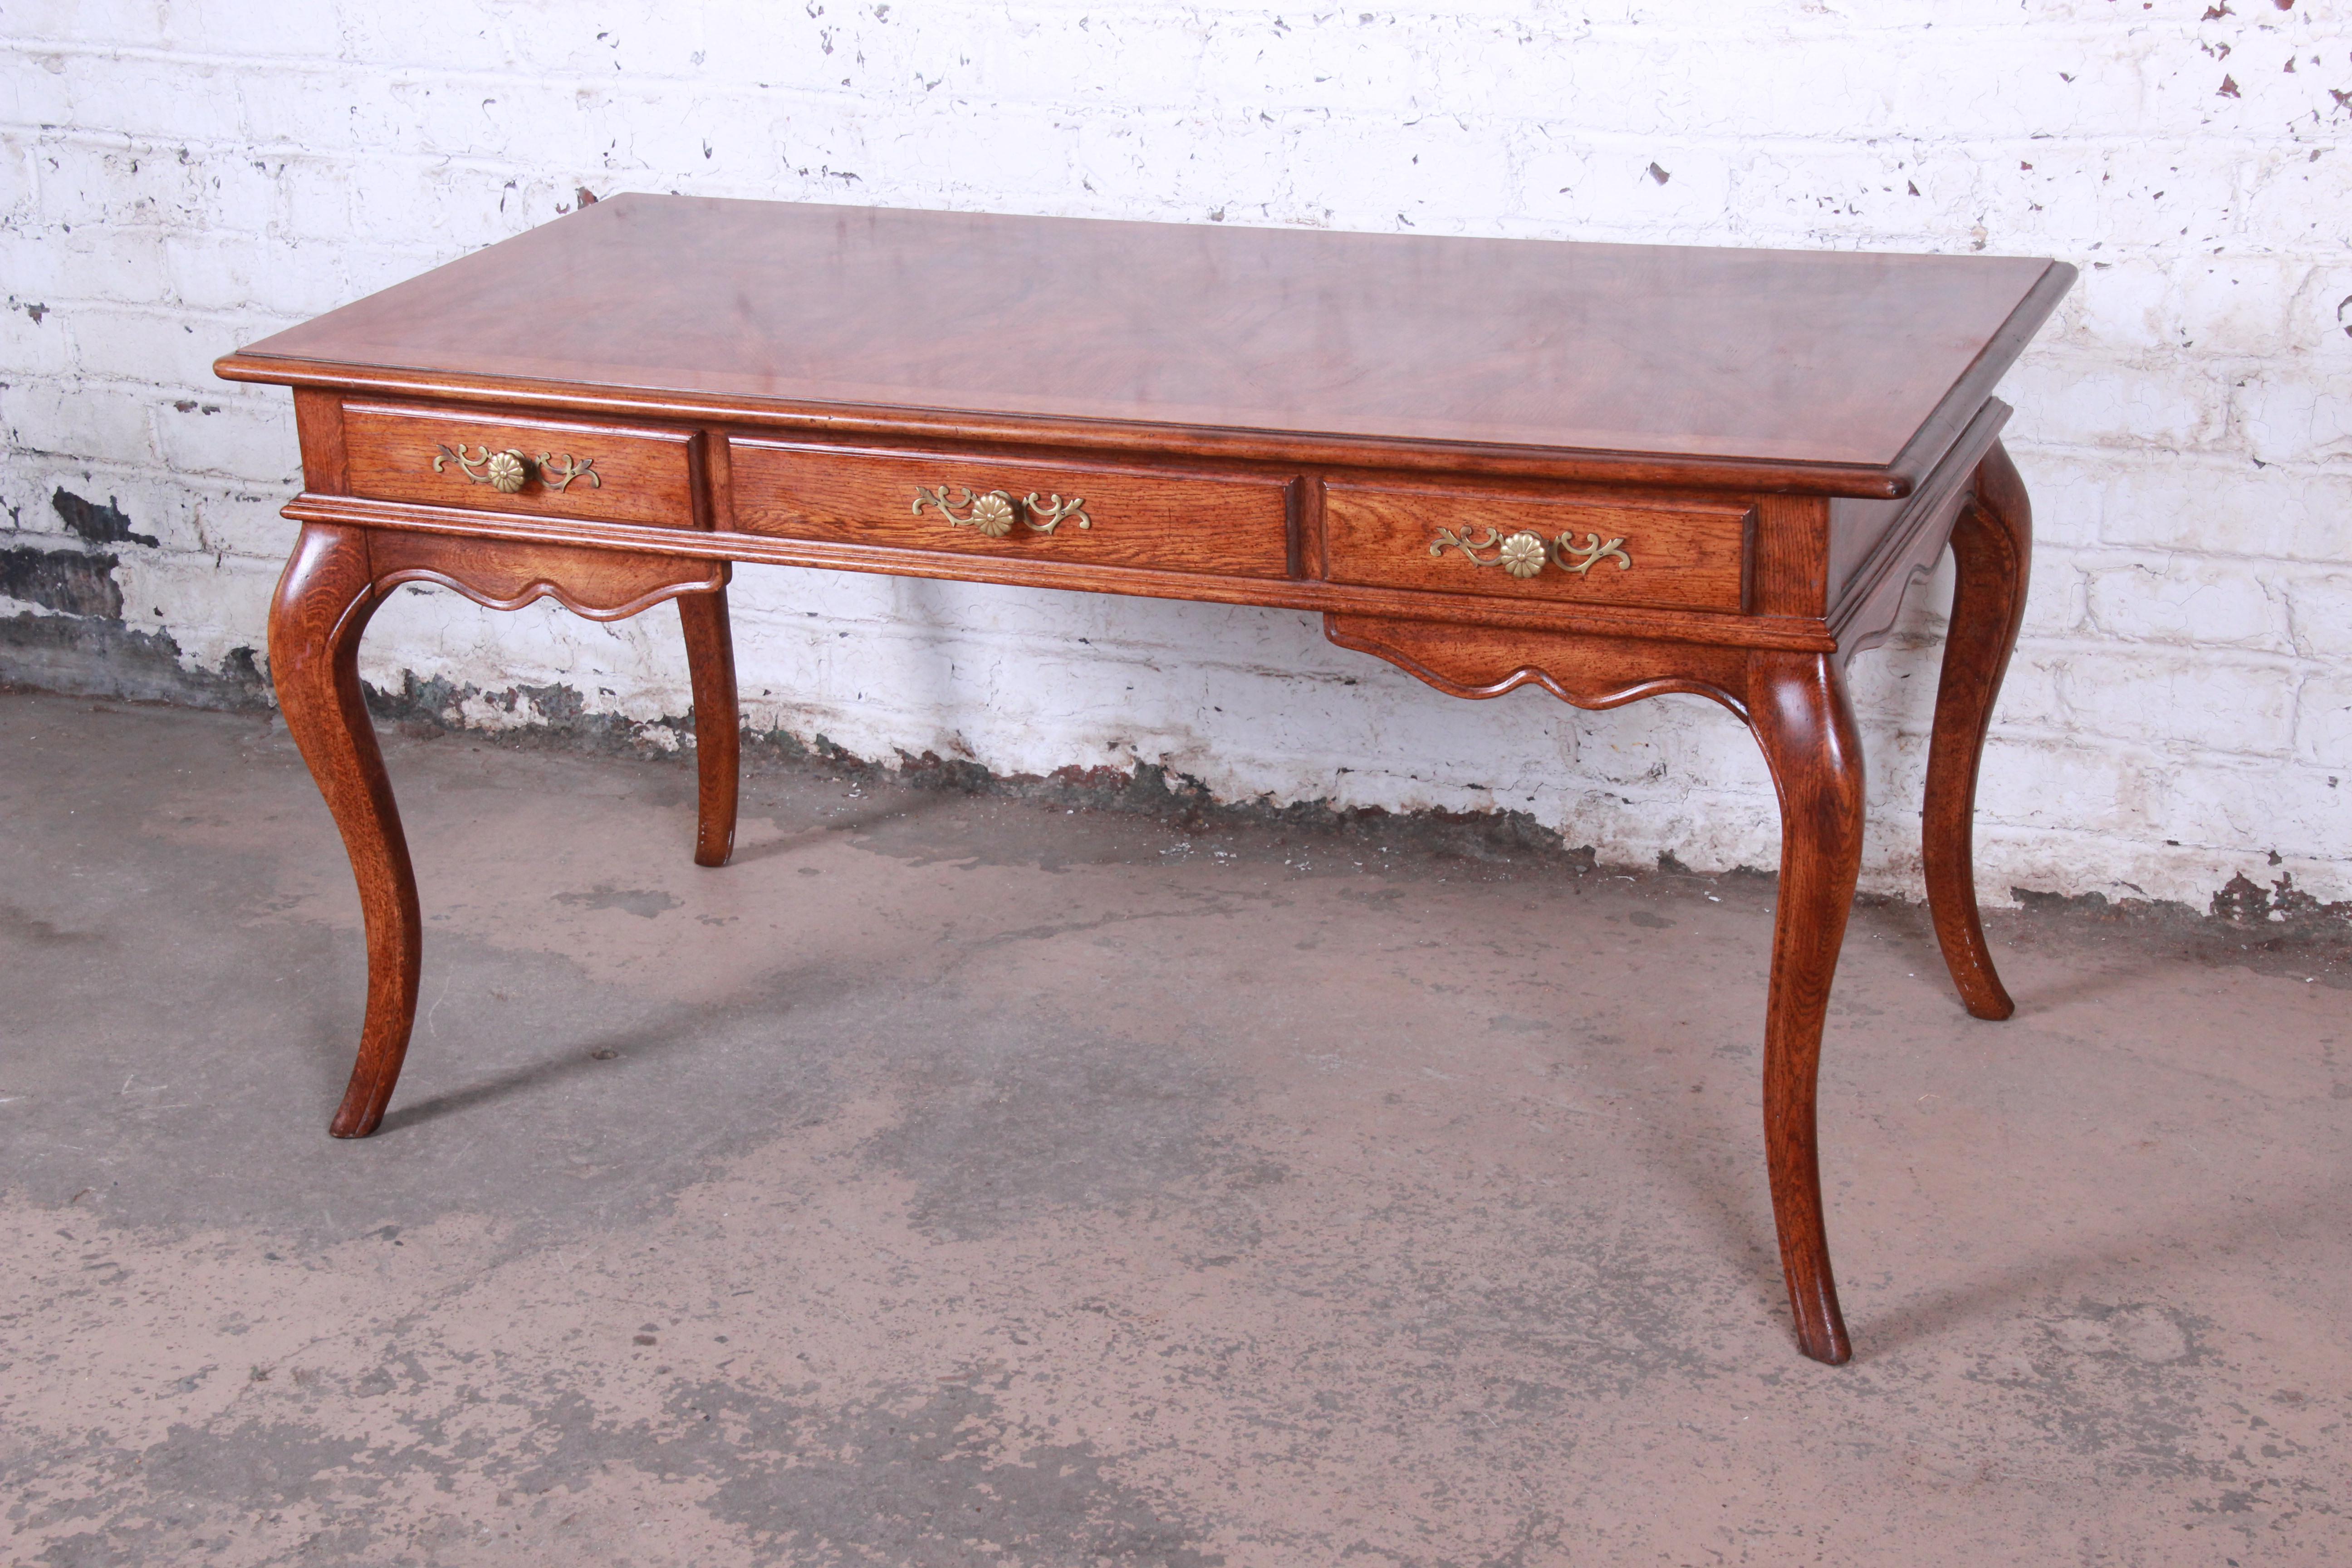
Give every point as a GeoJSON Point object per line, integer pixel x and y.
{"type": "Point", "coordinates": [1804, 722]}
{"type": "Point", "coordinates": [1856, 527]}
{"type": "Point", "coordinates": [1587, 672]}
{"type": "Point", "coordinates": [319, 426]}
{"type": "Point", "coordinates": [1789, 566]}
{"type": "Point", "coordinates": [1261, 417]}
{"type": "Point", "coordinates": [331, 586]}
{"type": "Point", "coordinates": [323, 602]}
{"type": "Point", "coordinates": [503, 575]}
{"type": "Point", "coordinates": [1992, 548]}
{"type": "Point", "coordinates": [1792, 632]}
{"type": "Point", "coordinates": [1106, 440]}
{"type": "Point", "coordinates": [1686, 553]}
{"type": "Point", "coordinates": [718, 723]}
{"type": "Point", "coordinates": [1161, 519]}
{"type": "Point", "coordinates": [1825, 365]}
{"type": "Point", "coordinates": [646, 474]}
{"type": "Point", "coordinates": [1906, 551]}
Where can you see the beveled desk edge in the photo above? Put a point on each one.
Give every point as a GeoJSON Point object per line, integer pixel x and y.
{"type": "Point", "coordinates": [1892, 481]}
{"type": "Point", "coordinates": [1776, 660]}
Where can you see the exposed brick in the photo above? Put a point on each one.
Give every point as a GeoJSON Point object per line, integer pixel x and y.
{"type": "Point", "coordinates": [2066, 398]}
{"type": "Point", "coordinates": [149, 347]}
{"type": "Point", "coordinates": [61, 418]}
{"type": "Point", "coordinates": [2322, 726]}
{"type": "Point", "coordinates": [2294, 413]}
{"type": "Point", "coordinates": [2210, 504]}
{"type": "Point", "coordinates": [244, 440]}
{"type": "Point", "coordinates": [33, 89]}
{"type": "Point", "coordinates": [94, 262]}
{"type": "Point", "coordinates": [2237, 807]}
{"type": "Point", "coordinates": [2200, 701]}
{"type": "Point", "coordinates": [2190, 601]}
{"type": "Point", "coordinates": [175, 180]}
{"type": "Point", "coordinates": [2320, 604]}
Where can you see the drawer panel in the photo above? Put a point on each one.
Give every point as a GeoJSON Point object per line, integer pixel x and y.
{"type": "Point", "coordinates": [601, 473]}
{"type": "Point", "coordinates": [1077, 513]}
{"type": "Point", "coordinates": [1606, 550]}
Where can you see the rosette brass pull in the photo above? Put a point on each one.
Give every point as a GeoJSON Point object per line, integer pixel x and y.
{"type": "Point", "coordinates": [1526, 552]}
{"type": "Point", "coordinates": [508, 471]}
{"type": "Point", "coordinates": [994, 512]}
{"type": "Point", "coordinates": [505, 472]}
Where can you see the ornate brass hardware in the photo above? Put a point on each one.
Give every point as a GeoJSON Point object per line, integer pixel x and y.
{"type": "Point", "coordinates": [1593, 551]}
{"type": "Point", "coordinates": [994, 512]}
{"type": "Point", "coordinates": [507, 472]}
{"type": "Point", "coordinates": [557, 473]}
{"type": "Point", "coordinates": [1055, 510]}
{"type": "Point", "coordinates": [1523, 553]}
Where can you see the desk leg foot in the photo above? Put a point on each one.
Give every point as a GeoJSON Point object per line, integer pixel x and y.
{"type": "Point", "coordinates": [323, 604]}
{"type": "Point", "coordinates": [1798, 710]}
{"type": "Point", "coordinates": [718, 723]}
{"type": "Point", "coordinates": [1992, 545]}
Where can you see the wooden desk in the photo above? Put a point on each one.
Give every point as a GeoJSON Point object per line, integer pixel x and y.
{"type": "Point", "coordinates": [1613, 471]}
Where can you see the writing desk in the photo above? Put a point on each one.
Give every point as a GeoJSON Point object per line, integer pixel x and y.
{"type": "Point", "coordinates": [1613, 470]}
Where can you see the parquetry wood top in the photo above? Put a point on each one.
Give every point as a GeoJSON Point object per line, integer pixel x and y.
{"type": "Point", "coordinates": [1837, 361]}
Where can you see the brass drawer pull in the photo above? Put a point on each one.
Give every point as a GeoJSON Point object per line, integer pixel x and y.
{"type": "Point", "coordinates": [557, 473]}
{"type": "Point", "coordinates": [508, 471]}
{"type": "Point", "coordinates": [1523, 554]}
{"type": "Point", "coordinates": [994, 512]}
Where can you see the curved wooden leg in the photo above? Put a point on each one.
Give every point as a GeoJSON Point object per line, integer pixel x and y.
{"type": "Point", "coordinates": [324, 601]}
{"type": "Point", "coordinates": [1798, 711]}
{"type": "Point", "coordinates": [1992, 544]}
{"type": "Point", "coordinates": [717, 724]}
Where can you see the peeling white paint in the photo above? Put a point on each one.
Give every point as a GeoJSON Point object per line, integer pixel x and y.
{"type": "Point", "coordinates": [176, 179]}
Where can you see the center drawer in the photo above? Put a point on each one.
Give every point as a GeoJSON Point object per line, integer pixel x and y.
{"type": "Point", "coordinates": [1077, 513]}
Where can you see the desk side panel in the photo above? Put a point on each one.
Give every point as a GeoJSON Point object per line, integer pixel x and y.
{"type": "Point", "coordinates": [1856, 527]}
{"type": "Point", "coordinates": [319, 426]}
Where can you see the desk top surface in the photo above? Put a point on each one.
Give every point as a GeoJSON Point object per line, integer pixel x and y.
{"type": "Point", "coordinates": [1799, 358]}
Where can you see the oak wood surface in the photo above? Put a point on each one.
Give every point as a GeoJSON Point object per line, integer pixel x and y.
{"type": "Point", "coordinates": [1908, 546]}
{"type": "Point", "coordinates": [333, 583]}
{"type": "Point", "coordinates": [1790, 360]}
{"type": "Point", "coordinates": [1803, 720]}
{"type": "Point", "coordinates": [718, 723]}
{"type": "Point", "coordinates": [1788, 571]}
{"type": "Point", "coordinates": [1688, 554]}
{"type": "Point", "coordinates": [1781, 444]}
{"type": "Point", "coordinates": [1105, 439]}
{"type": "Point", "coordinates": [323, 602]}
{"type": "Point", "coordinates": [319, 428]}
{"type": "Point", "coordinates": [1754, 630]}
{"type": "Point", "coordinates": [1992, 548]}
{"type": "Point", "coordinates": [601, 585]}
{"type": "Point", "coordinates": [1855, 526]}
{"type": "Point", "coordinates": [1163, 520]}
{"type": "Point", "coordinates": [1588, 671]}
{"type": "Point", "coordinates": [640, 475]}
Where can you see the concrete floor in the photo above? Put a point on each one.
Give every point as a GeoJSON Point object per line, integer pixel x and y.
{"type": "Point", "coordinates": [966, 1179]}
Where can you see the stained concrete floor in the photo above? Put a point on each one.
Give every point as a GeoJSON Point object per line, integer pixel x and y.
{"type": "Point", "coordinates": [962, 1179]}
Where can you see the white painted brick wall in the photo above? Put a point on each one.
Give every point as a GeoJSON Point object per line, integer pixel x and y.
{"type": "Point", "coordinates": [178, 178]}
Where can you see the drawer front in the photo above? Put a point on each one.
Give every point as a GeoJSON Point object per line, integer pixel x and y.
{"type": "Point", "coordinates": [1061, 512]}
{"type": "Point", "coordinates": [1604, 550]}
{"type": "Point", "coordinates": [600, 473]}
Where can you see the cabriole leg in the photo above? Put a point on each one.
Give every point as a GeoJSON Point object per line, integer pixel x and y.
{"type": "Point", "coordinates": [1800, 712]}
{"type": "Point", "coordinates": [1992, 545]}
{"type": "Point", "coordinates": [324, 601]}
{"type": "Point", "coordinates": [718, 726]}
